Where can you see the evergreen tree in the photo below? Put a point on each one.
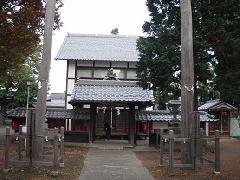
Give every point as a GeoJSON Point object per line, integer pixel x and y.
{"type": "Point", "coordinates": [223, 35]}
{"type": "Point", "coordinates": [160, 51]}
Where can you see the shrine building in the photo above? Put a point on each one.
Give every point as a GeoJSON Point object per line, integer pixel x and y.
{"type": "Point", "coordinates": [101, 77]}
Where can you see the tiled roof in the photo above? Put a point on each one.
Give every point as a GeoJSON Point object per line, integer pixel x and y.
{"type": "Point", "coordinates": [53, 114]}
{"type": "Point", "coordinates": [110, 91]}
{"type": "Point", "coordinates": [157, 115]}
{"type": "Point", "coordinates": [55, 104]}
{"type": "Point", "coordinates": [56, 100]}
{"type": "Point", "coordinates": [18, 112]}
{"type": "Point", "coordinates": [57, 96]}
{"type": "Point", "coordinates": [84, 114]}
{"type": "Point", "coordinates": [98, 47]}
{"type": "Point", "coordinates": [216, 105]}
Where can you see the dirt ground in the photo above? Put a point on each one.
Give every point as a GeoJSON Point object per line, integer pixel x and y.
{"type": "Point", "coordinates": [230, 165]}
{"type": "Point", "coordinates": [74, 160]}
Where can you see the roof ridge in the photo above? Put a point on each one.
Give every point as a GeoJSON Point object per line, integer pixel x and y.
{"type": "Point", "coordinates": [105, 82]}
{"type": "Point", "coordinates": [100, 35]}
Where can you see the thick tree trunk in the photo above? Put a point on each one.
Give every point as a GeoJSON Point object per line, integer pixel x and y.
{"type": "Point", "coordinates": [187, 78]}
{"type": "Point", "coordinates": [43, 79]}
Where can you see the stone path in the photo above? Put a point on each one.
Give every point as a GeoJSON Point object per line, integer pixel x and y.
{"type": "Point", "coordinates": [113, 165]}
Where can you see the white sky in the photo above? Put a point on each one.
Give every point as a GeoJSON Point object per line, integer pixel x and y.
{"type": "Point", "coordinates": [94, 17]}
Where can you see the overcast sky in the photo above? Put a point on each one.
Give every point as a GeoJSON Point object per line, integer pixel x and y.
{"type": "Point", "coordinates": [94, 17]}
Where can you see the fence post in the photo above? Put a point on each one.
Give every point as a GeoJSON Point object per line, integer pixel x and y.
{"type": "Point", "coordinates": [171, 146]}
{"type": "Point", "coordinates": [20, 143]}
{"type": "Point", "coordinates": [55, 153]}
{"type": "Point", "coordinates": [62, 147]}
{"type": "Point", "coordinates": [161, 147]}
{"type": "Point", "coordinates": [6, 159]}
{"type": "Point", "coordinates": [156, 137]}
{"type": "Point", "coordinates": [217, 152]}
{"type": "Point", "coordinates": [201, 145]}
{"type": "Point", "coordinates": [31, 134]}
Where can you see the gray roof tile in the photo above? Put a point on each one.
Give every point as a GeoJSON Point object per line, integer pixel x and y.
{"type": "Point", "coordinates": [216, 105]}
{"type": "Point", "coordinates": [98, 47]}
{"type": "Point", "coordinates": [159, 115]}
{"type": "Point", "coordinates": [110, 91]}
{"type": "Point", "coordinates": [84, 114]}
{"type": "Point", "coordinates": [53, 114]}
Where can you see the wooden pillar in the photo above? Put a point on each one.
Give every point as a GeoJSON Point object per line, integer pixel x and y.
{"type": "Point", "coordinates": [6, 151]}
{"type": "Point", "coordinates": [55, 152]}
{"type": "Point", "coordinates": [217, 152]}
{"type": "Point", "coordinates": [171, 149]}
{"type": "Point", "coordinates": [20, 138]}
{"type": "Point", "coordinates": [92, 122]}
{"type": "Point", "coordinates": [62, 147]}
{"type": "Point", "coordinates": [161, 147]}
{"type": "Point", "coordinates": [187, 78]}
{"type": "Point", "coordinates": [201, 145]}
{"type": "Point", "coordinates": [132, 125]}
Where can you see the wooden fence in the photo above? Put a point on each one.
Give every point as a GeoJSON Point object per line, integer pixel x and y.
{"type": "Point", "coordinates": [197, 145]}
{"type": "Point", "coordinates": [24, 156]}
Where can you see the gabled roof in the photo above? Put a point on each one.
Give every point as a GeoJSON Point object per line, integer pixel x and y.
{"type": "Point", "coordinates": [82, 114]}
{"type": "Point", "coordinates": [162, 115]}
{"type": "Point", "coordinates": [216, 105]}
{"type": "Point", "coordinates": [98, 47]}
{"type": "Point", "coordinates": [110, 91]}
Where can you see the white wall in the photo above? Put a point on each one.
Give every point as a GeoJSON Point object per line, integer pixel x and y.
{"type": "Point", "coordinates": [71, 69]}
{"type": "Point", "coordinates": [69, 106]}
{"type": "Point", "coordinates": [70, 86]}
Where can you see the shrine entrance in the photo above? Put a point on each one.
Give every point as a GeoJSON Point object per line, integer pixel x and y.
{"type": "Point", "coordinates": [116, 118]}
{"type": "Point", "coordinates": [121, 119]}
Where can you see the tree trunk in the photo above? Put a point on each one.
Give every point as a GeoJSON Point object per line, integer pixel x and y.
{"type": "Point", "coordinates": [43, 80]}
{"type": "Point", "coordinates": [187, 78]}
